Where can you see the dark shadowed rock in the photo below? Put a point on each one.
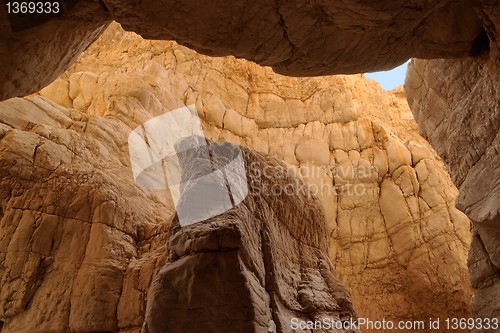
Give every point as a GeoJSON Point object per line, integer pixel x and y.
{"type": "Point", "coordinates": [252, 268]}
{"type": "Point", "coordinates": [300, 38]}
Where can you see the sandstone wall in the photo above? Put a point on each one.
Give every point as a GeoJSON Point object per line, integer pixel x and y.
{"type": "Point", "coordinates": [294, 37]}
{"type": "Point", "coordinates": [395, 237]}
{"type": "Point", "coordinates": [75, 230]}
{"type": "Point", "coordinates": [456, 103]}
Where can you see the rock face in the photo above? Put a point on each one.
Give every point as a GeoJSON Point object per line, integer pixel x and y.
{"type": "Point", "coordinates": [36, 49]}
{"type": "Point", "coordinates": [394, 235]}
{"type": "Point", "coordinates": [296, 38]}
{"type": "Point", "coordinates": [457, 104]}
{"type": "Point", "coordinates": [265, 262]}
{"type": "Point", "coordinates": [310, 38]}
{"type": "Point", "coordinates": [74, 227]}
{"type": "Point", "coordinates": [71, 129]}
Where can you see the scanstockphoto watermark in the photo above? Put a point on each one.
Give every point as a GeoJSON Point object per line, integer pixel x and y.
{"type": "Point", "coordinates": [361, 324]}
{"type": "Point", "coordinates": [310, 170]}
{"type": "Point", "coordinates": [330, 324]}
{"type": "Point", "coordinates": [305, 182]}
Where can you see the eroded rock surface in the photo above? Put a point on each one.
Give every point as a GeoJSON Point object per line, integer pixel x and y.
{"type": "Point", "coordinates": [310, 38]}
{"type": "Point", "coordinates": [294, 37]}
{"type": "Point", "coordinates": [456, 103]}
{"type": "Point", "coordinates": [76, 234]}
{"type": "Point", "coordinates": [396, 239]}
{"type": "Point", "coordinates": [253, 268]}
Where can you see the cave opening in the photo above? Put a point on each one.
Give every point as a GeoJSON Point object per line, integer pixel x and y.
{"type": "Point", "coordinates": [400, 168]}
{"type": "Point", "coordinates": [392, 78]}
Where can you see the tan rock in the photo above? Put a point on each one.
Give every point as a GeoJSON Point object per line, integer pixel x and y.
{"type": "Point", "coordinates": [58, 91]}
{"type": "Point", "coordinates": [451, 124]}
{"type": "Point", "coordinates": [81, 89]}
{"type": "Point", "coordinates": [397, 154]}
{"type": "Point", "coordinates": [76, 239]}
{"type": "Point", "coordinates": [393, 206]}
{"type": "Point", "coordinates": [313, 151]}
{"type": "Point", "coordinates": [368, 150]}
{"type": "Point", "coordinates": [41, 51]}
{"type": "Point", "coordinates": [456, 105]}
{"type": "Point", "coordinates": [295, 38]}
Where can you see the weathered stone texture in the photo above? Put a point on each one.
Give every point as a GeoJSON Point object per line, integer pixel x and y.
{"type": "Point", "coordinates": [456, 103]}
{"type": "Point", "coordinates": [300, 38]}
{"type": "Point", "coordinates": [253, 268]}
{"type": "Point", "coordinates": [74, 227]}
{"type": "Point", "coordinates": [395, 237]}
{"type": "Point", "coordinates": [309, 38]}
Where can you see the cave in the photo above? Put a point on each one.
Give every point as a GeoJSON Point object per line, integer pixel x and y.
{"type": "Point", "coordinates": [244, 174]}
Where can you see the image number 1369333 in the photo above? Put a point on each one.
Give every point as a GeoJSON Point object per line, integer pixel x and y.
{"type": "Point", "coordinates": [33, 7]}
{"type": "Point", "coordinates": [24, 15]}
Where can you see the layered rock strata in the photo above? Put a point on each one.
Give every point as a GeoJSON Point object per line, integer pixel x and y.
{"type": "Point", "coordinates": [457, 104]}
{"type": "Point", "coordinates": [395, 237]}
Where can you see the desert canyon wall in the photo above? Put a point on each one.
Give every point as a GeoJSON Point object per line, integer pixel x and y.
{"type": "Point", "coordinates": [398, 243]}
{"type": "Point", "coordinates": [457, 104]}
{"type": "Point", "coordinates": [394, 236]}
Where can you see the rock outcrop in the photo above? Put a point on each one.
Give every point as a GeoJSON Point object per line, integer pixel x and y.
{"type": "Point", "coordinates": [73, 225]}
{"type": "Point", "coordinates": [253, 268]}
{"type": "Point", "coordinates": [395, 238]}
{"type": "Point", "coordinates": [310, 38]}
{"type": "Point", "coordinates": [295, 38]}
{"type": "Point", "coordinates": [456, 103]}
